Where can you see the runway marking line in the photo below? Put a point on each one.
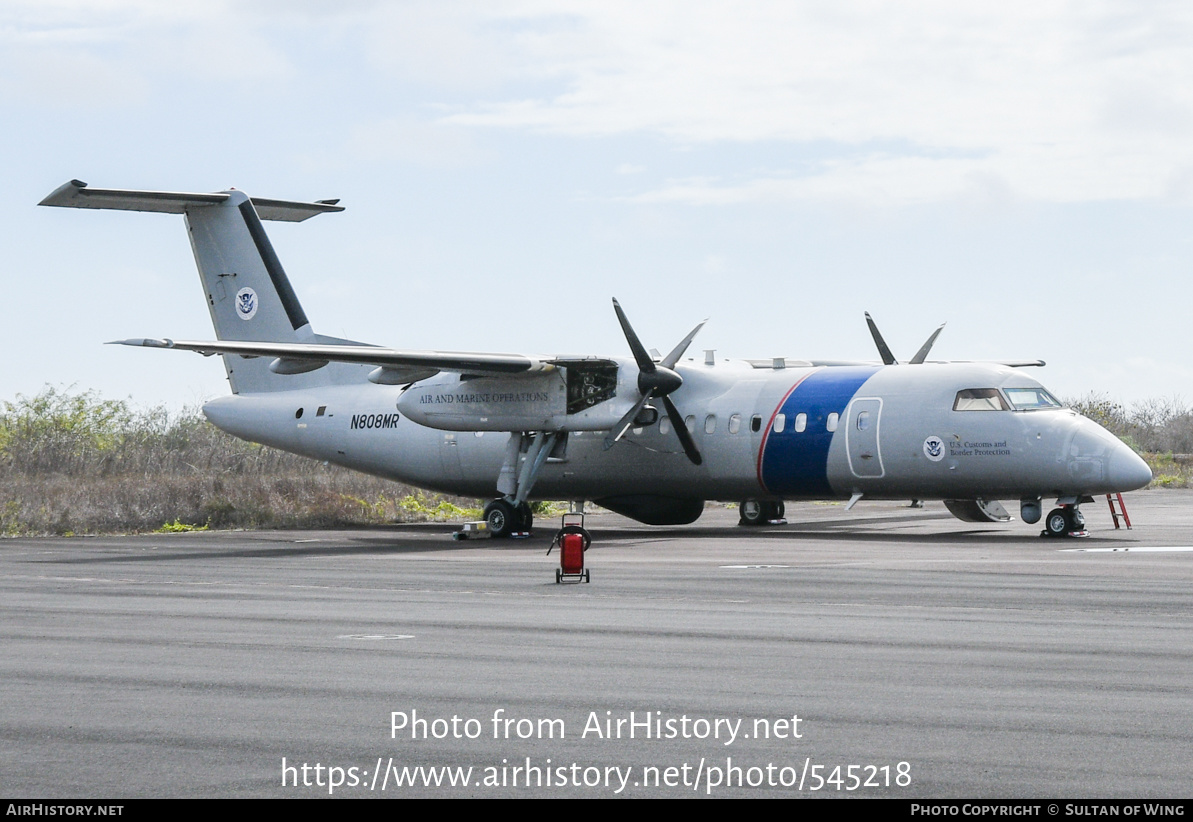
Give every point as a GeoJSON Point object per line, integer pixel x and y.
{"type": "Point", "coordinates": [1139, 549]}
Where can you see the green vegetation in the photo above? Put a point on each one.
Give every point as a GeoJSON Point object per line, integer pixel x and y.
{"type": "Point", "coordinates": [176, 527]}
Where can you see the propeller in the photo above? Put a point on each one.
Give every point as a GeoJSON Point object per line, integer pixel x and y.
{"type": "Point", "coordinates": [656, 381]}
{"type": "Point", "coordinates": [887, 357]}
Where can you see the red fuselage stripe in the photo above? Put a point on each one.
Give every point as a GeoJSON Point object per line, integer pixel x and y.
{"type": "Point", "coordinates": [771, 424]}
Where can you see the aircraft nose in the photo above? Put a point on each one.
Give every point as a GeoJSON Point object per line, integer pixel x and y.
{"type": "Point", "coordinates": [1126, 470]}
{"type": "Point", "coordinates": [1100, 462]}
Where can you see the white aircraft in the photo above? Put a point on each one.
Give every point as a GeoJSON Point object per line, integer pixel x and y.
{"type": "Point", "coordinates": [521, 427]}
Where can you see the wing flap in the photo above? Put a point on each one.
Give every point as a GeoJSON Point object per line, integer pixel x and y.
{"type": "Point", "coordinates": [463, 362]}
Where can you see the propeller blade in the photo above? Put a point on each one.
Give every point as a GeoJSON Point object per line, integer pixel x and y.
{"type": "Point", "coordinates": [887, 357]}
{"type": "Point", "coordinates": [656, 382]}
{"type": "Point", "coordinates": [681, 431]}
{"type": "Point", "coordinates": [645, 363]}
{"type": "Point", "coordinates": [627, 420]}
{"type": "Point", "coordinates": [922, 354]}
{"type": "Point", "coordinates": [671, 359]}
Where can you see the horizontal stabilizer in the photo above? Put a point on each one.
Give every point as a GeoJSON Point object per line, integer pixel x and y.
{"type": "Point", "coordinates": [76, 194]}
{"type": "Point", "coordinates": [292, 353]}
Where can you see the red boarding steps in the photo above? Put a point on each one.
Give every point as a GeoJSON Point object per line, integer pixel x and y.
{"type": "Point", "coordinates": [1118, 511]}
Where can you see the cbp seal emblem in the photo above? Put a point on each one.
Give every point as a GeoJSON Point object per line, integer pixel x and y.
{"type": "Point", "coordinates": [246, 303]}
{"type": "Point", "coordinates": [934, 448]}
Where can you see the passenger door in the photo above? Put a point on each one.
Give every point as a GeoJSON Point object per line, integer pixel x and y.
{"type": "Point", "coordinates": [861, 437]}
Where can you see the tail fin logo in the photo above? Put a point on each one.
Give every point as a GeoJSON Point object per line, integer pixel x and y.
{"type": "Point", "coordinates": [246, 303]}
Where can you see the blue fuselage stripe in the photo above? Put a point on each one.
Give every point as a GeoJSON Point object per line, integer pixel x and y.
{"type": "Point", "coordinates": [795, 463]}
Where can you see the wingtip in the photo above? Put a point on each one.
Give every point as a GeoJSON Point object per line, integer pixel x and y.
{"type": "Point", "coordinates": [141, 342]}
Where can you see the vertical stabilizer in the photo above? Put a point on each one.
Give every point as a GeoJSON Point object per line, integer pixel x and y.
{"type": "Point", "coordinates": [247, 291]}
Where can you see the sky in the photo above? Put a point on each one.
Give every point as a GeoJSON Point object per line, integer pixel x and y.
{"type": "Point", "coordinates": [1021, 171]}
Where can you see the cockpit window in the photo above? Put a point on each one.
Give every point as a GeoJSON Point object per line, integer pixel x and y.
{"type": "Point", "coordinates": [1031, 399]}
{"type": "Point", "coordinates": [980, 399]}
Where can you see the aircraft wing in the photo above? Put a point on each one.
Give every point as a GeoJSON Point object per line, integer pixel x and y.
{"type": "Point", "coordinates": [408, 366]}
{"type": "Point", "coordinates": [1007, 363]}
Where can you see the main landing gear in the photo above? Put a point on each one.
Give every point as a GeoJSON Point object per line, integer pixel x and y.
{"type": "Point", "coordinates": [525, 455]}
{"type": "Point", "coordinates": [1065, 521]}
{"type": "Point", "coordinates": [761, 512]}
{"type": "Point", "coordinates": [503, 518]}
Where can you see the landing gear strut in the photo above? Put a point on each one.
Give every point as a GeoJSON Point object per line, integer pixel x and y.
{"type": "Point", "coordinates": [525, 455]}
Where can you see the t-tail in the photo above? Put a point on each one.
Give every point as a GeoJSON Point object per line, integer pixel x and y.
{"type": "Point", "coordinates": [247, 291]}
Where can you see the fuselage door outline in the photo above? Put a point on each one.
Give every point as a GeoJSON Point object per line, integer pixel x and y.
{"type": "Point", "coordinates": [861, 437]}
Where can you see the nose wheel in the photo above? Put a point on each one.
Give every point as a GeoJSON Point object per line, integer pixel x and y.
{"type": "Point", "coordinates": [1066, 521]}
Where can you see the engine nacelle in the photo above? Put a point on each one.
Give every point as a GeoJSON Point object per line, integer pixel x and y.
{"type": "Point", "coordinates": [544, 401]}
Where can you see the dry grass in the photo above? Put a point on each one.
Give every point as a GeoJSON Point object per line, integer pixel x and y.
{"type": "Point", "coordinates": [74, 463]}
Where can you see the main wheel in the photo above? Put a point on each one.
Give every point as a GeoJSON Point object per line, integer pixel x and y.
{"type": "Point", "coordinates": [525, 517]}
{"type": "Point", "coordinates": [500, 518]}
{"type": "Point", "coordinates": [751, 512]}
{"type": "Point", "coordinates": [1076, 519]}
{"type": "Point", "coordinates": [773, 510]}
{"type": "Point", "coordinates": [1057, 523]}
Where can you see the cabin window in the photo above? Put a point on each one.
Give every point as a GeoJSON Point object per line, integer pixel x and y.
{"type": "Point", "coordinates": [690, 422]}
{"type": "Point", "coordinates": [735, 423]}
{"type": "Point", "coordinates": [665, 425]}
{"type": "Point", "coordinates": [1031, 399]}
{"type": "Point", "coordinates": [756, 423]}
{"type": "Point", "coordinates": [979, 399]}
{"type": "Point", "coordinates": [710, 424]}
{"type": "Point", "coordinates": [801, 423]}
{"type": "Point", "coordinates": [863, 420]}
{"type": "Point", "coordinates": [780, 423]}
{"type": "Point", "coordinates": [831, 422]}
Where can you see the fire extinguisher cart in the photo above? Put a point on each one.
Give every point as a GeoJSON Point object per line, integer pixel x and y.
{"type": "Point", "coordinates": [573, 541]}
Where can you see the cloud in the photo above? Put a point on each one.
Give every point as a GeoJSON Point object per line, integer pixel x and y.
{"type": "Point", "coordinates": [122, 52]}
{"type": "Point", "coordinates": [1057, 101]}
{"type": "Point", "coordinates": [1064, 101]}
{"type": "Point", "coordinates": [414, 141]}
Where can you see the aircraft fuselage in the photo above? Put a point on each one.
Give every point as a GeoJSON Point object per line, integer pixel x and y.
{"type": "Point", "coordinates": [886, 432]}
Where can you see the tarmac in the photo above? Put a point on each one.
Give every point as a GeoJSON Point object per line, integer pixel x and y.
{"type": "Point", "coordinates": [883, 652]}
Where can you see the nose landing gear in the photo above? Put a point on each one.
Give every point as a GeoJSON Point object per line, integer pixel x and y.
{"type": "Point", "coordinates": [1065, 521]}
